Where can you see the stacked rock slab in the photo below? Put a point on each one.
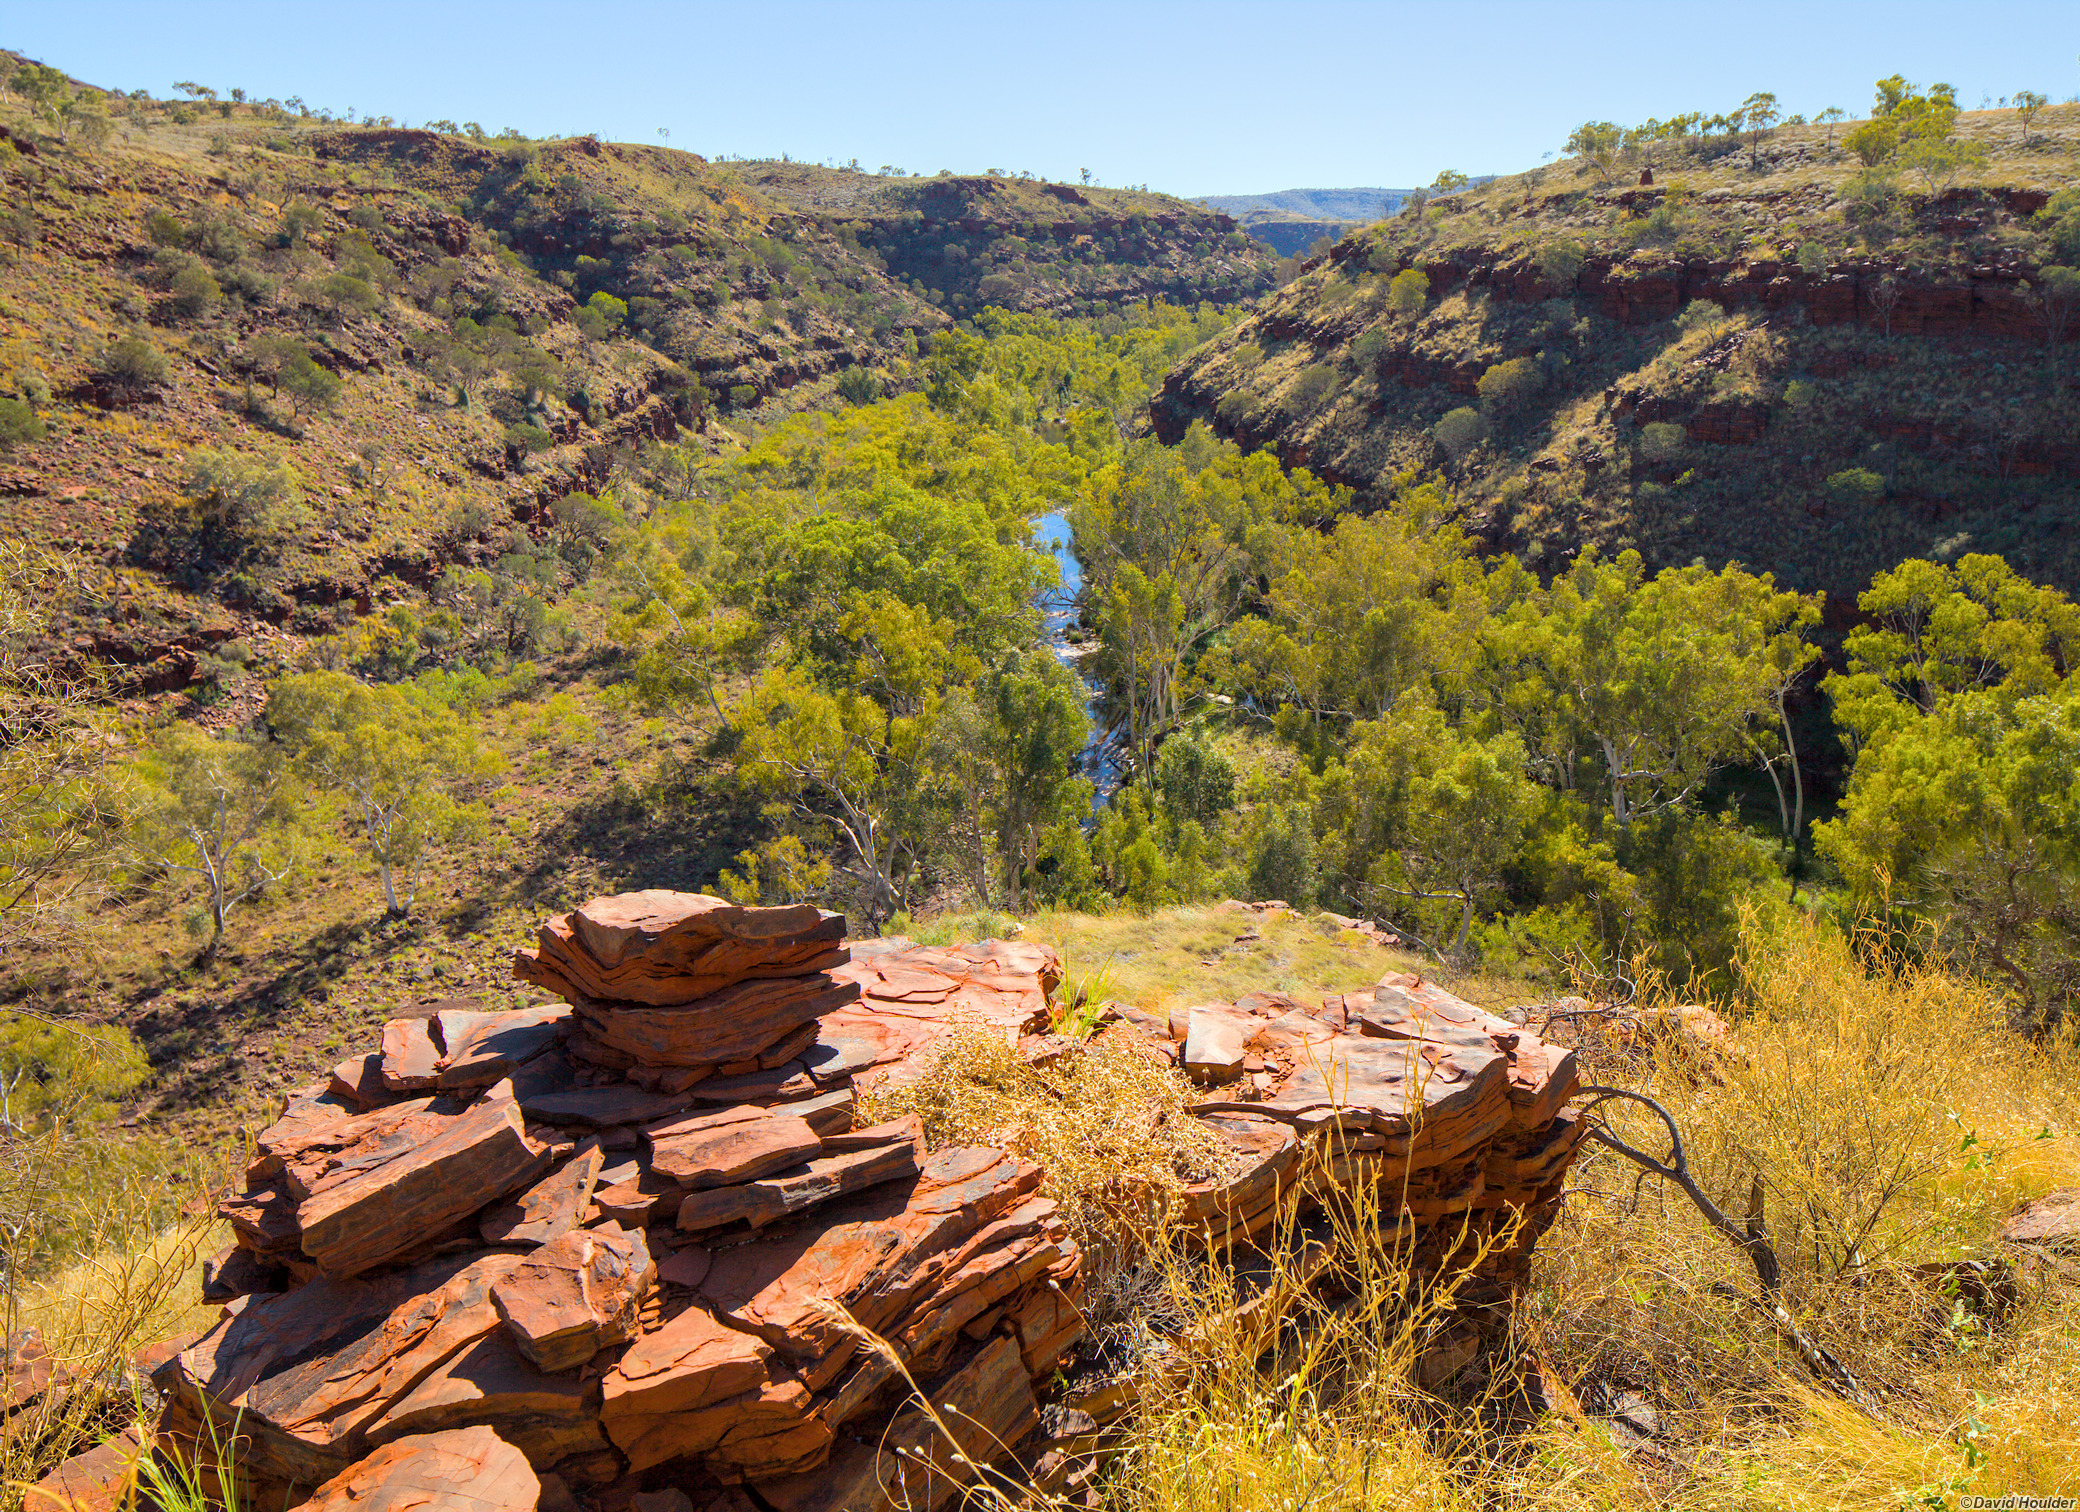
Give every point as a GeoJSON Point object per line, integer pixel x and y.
{"type": "Point", "coordinates": [1456, 1119]}
{"type": "Point", "coordinates": [626, 1242]}
{"type": "Point", "coordinates": [629, 1239]}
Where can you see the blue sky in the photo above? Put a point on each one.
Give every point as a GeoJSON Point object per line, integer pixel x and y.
{"type": "Point", "coordinates": [1190, 98]}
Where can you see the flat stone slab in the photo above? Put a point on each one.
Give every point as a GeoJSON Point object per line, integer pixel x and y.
{"type": "Point", "coordinates": [798, 1189]}
{"type": "Point", "coordinates": [1215, 1043]}
{"type": "Point", "coordinates": [576, 1295]}
{"type": "Point", "coordinates": [482, 1048]}
{"type": "Point", "coordinates": [384, 1196]}
{"type": "Point", "coordinates": [2053, 1220]}
{"type": "Point", "coordinates": [551, 1207]}
{"type": "Point", "coordinates": [461, 1470]}
{"type": "Point", "coordinates": [669, 948]}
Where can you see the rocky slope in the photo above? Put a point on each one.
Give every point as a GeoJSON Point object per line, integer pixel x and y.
{"type": "Point", "coordinates": [1777, 357]}
{"type": "Point", "coordinates": [443, 338]}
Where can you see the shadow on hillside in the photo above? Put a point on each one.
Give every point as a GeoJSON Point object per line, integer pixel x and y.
{"type": "Point", "coordinates": [199, 1053]}
{"type": "Point", "coordinates": [677, 834]}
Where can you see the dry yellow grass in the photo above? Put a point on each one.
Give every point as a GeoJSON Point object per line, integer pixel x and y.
{"type": "Point", "coordinates": [1893, 1122]}
{"type": "Point", "coordinates": [1182, 956]}
{"type": "Point", "coordinates": [1106, 1124]}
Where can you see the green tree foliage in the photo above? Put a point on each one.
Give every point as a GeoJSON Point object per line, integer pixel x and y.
{"type": "Point", "coordinates": [1408, 292]}
{"type": "Point", "coordinates": [401, 761]}
{"type": "Point", "coordinates": [1507, 386]}
{"type": "Point", "coordinates": [1459, 431]}
{"type": "Point", "coordinates": [1597, 143]}
{"type": "Point", "coordinates": [218, 811]}
{"type": "Point", "coordinates": [1167, 536]}
{"type": "Point", "coordinates": [241, 498]}
{"type": "Point", "coordinates": [1760, 112]}
{"type": "Point", "coordinates": [1649, 684]}
{"type": "Point", "coordinates": [838, 758]}
{"type": "Point", "coordinates": [1038, 729]}
{"type": "Point", "coordinates": [1359, 617]}
{"type": "Point", "coordinates": [1962, 808]}
{"type": "Point", "coordinates": [131, 365]}
{"type": "Point", "coordinates": [19, 423]}
{"type": "Point", "coordinates": [309, 386]}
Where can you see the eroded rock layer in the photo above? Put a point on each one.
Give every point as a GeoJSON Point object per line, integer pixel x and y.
{"type": "Point", "coordinates": [634, 1232]}
{"type": "Point", "coordinates": [641, 1240]}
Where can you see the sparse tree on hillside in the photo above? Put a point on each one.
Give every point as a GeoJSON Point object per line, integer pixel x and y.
{"type": "Point", "coordinates": [1464, 823]}
{"type": "Point", "coordinates": [1407, 292]}
{"type": "Point", "coordinates": [2027, 103]}
{"type": "Point", "coordinates": [2052, 297]}
{"type": "Point", "coordinates": [242, 497]}
{"type": "Point", "coordinates": [53, 820]}
{"type": "Point", "coordinates": [1884, 295]}
{"type": "Point", "coordinates": [1759, 111]}
{"type": "Point", "coordinates": [1597, 143]}
{"type": "Point", "coordinates": [131, 365]}
{"type": "Point", "coordinates": [219, 811]}
{"type": "Point", "coordinates": [399, 759]}
{"type": "Point", "coordinates": [1828, 118]}
{"type": "Point", "coordinates": [310, 387]}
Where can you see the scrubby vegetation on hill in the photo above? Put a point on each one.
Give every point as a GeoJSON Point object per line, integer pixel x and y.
{"type": "Point", "coordinates": [1813, 348]}
{"type": "Point", "coordinates": [418, 532]}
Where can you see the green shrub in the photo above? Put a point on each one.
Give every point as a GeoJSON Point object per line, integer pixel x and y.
{"type": "Point", "coordinates": [1460, 431]}
{"type": "Point", "coordinates": [1856, 485]}
{"type": "Point", "coordinates": [1283, 863]}
{"type": "Point", "coordinates": [1660, 441]}
{"type": "Point", "coordinates": [1559, 262]}
{"type": "Point", "coordinates": [194, 291]}
{"type": "Point", "coordinates": [131, 364]}
{"type": "Point", "coordinates": [18, 423]}
{"type": "Point", "coordinates": [1698, 315]}
{"type": "Point", "coordinates": [858, 385]}
{"type": "Point", "coordinates": [1408, 291]}
{"type": "Point", "coordinates": [1507, 386]}
{"type": "Point", "coordinates": [1196, 780]}
{"type": "Point", "coordinates": [242, 497]}
{"type": "Point", "coordinates": [1315, 386]}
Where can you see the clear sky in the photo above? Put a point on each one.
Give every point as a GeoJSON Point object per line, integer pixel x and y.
{"type": "Point", "coordinates": [1207, 98]}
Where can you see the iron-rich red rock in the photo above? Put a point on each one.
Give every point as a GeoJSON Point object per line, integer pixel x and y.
{"type": "Point", "coordinates": [576, 1295]}
{"type": "Point", "coordinates": [551, 1418]}
{"type": "Point", "coordinates": [551, 1207]}
{"type": "Point", "coordinates": [411, 1055]}
{"type": "Point", "coordinates": [360, 1081]}
{"type": "Point", "coordinates": [384, 1199]}
{"type": "Point", "coordinates": [794, 1191]}
{"type": "Point", "coordinates": [742, 1020]}
{"type": "Point", "coordinates": [96, 1480]}
{"type": "Point", "coordinates": [2053, 1221]}
{"type": "Point", "coordinates": [728, 1150]}
{"type": "Point", "coordinates": [482, 1048]}
{"type": "Point", "coordinates": [236, 1271]}
{"type": "Point", "coordinates": [668, 949]}
{"type": "Point", "coordinates": [987, 1405]}
{"type": "Point", "coordinates": [461, 1470]}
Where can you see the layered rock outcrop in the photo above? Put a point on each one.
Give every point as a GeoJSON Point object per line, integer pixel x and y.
{"type": "Point", "coordinates": [637, 1230]}
{"type": "Point", "coordinates": [640, 1240]}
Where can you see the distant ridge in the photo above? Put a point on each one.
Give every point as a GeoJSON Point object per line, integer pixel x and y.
{"type": "Point", "coordinates": [1313, 204]}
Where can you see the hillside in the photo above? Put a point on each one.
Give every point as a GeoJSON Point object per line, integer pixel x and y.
{"type": "Point", "coordinates": [446, 336]}
{"type": "Point", "coordinates": [1770, 353]}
